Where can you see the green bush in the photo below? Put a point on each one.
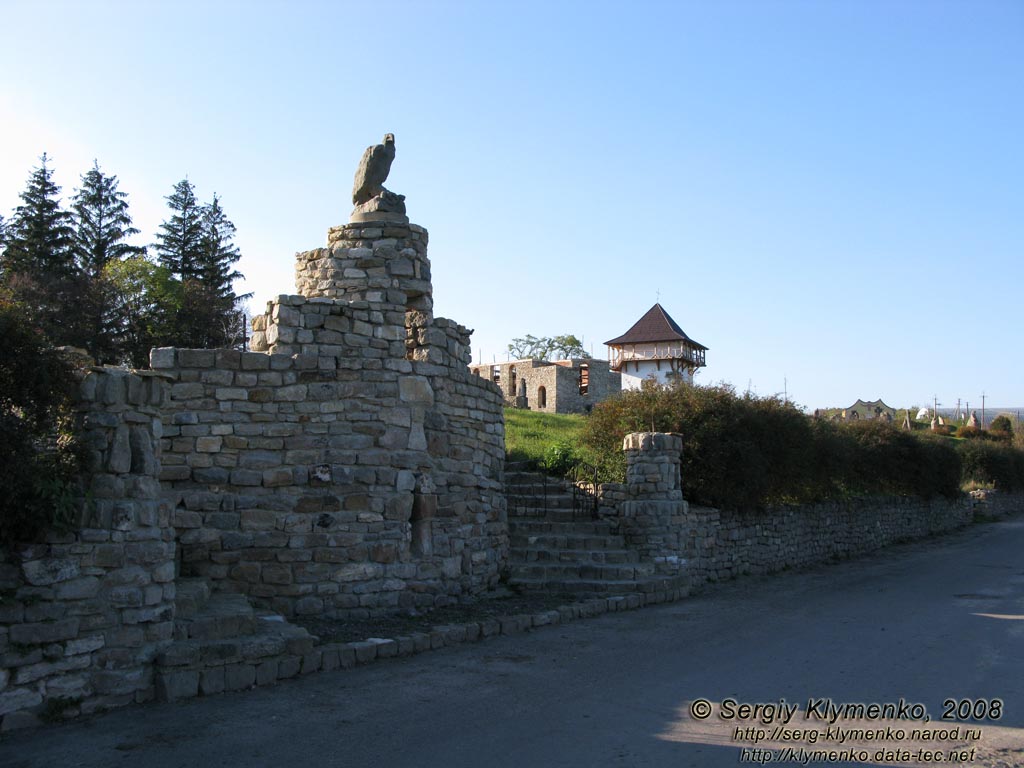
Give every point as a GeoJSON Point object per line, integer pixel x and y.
{"type": "Point", "coordinates": [742, 451]}
{"type": "Point", "coordinates": [738, 451]}
{"type": "Point", "coordinates": [39, 458]}
{"type": "Point", "coordinates": [1001, 423]}
{"type": "Point", "coordinates": [992, 464]}
{"type": "Point", "coordinates": [559, 458]}
{"type": "Point", "coordinates": [891, 460]}
{"type": "Point", "coordinates": [1001, 429]}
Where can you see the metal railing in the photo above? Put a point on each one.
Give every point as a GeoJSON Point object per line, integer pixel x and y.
{"type": "Point", "coordinates": [583, 477]}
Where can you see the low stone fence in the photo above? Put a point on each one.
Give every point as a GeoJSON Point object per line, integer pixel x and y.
{"type": "Point", "coordinates": [725, 544]}
{"type": "Point", "coordinates": [83, 613]}
{"type": "Point", "coordinates": [715, 544]}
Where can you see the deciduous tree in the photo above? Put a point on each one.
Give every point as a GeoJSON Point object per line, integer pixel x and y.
{"type": "Point", "coordinates": [544, 347]}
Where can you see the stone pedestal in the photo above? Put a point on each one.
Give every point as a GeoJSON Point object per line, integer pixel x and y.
{"type": "Point", "coordinates": [373, 262]}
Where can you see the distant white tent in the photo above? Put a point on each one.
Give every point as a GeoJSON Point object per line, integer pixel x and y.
{"type": "Point", "coordinates": [922, 414]}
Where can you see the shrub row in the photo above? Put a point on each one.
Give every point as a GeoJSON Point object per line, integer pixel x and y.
{"type": "Point", "coordinates": [743, 451]}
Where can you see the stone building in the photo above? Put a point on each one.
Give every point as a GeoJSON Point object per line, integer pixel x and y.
{"type": "Point", "coordinates": [559, 386]}
{"type": "Point", "coordinates": [860, 410]}
{"type": "Point", "coordinates": [655, 348]}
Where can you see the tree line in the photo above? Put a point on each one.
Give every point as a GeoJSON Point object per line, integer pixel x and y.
{"type": "Point", "coordinates": [74, 275]}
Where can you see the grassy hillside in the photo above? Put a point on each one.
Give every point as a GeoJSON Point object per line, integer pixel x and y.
{"type": "Point", "coordinates": [541, 438]}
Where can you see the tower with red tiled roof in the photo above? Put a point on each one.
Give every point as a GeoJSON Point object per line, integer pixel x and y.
{"type": "Point", "coordinates": [655, 348]}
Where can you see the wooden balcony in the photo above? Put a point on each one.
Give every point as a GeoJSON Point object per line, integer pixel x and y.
{"type": "Point", "coordinates": [675, 352]}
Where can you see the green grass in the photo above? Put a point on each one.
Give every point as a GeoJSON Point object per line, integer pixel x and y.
{"type": "Point", "coordinates": [530, 436]}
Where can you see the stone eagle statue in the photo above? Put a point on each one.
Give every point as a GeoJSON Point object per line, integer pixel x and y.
{"type": "Point", "coordinates": [373, 171]}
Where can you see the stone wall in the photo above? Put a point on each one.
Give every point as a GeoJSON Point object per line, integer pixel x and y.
{"type": "Point", "coordinates": [722, 544]}
{"type": "Point", "coordinates": [83, 613]}
{"type": "Point", "coordinates": [725, 544]}
{"type": "Point", "coordinates": [352, 464]}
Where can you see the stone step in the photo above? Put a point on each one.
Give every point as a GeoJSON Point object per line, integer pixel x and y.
{"type": "Point", "coordinates": [531, 527]}
{"type": "Point", "coordinates": [539, 500]}
{"type": "Point", "coordinates": [565, 515]}
{"type": "Point", "coordinates": [543, 555]}
{"type": "Point", "coordinates": [224, 615]}
{"type": "Point", "coordinates": [562, 541]}
{"type": "Point", "coordinates": [190, 597]}
{"type": "Point", "coordinates": [273, 650]}
{"type": "Point", "coordinates": [558, 571]}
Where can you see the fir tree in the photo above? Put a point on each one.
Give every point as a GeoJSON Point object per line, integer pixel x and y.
{"type": "Point", "coordinates": [39, 236]}
{"type": "Point", "coordinates": [102, 226]}
{"type": "Point", "coordinates": [102, 223]}
{"type": "Point", "coordinates": [219, 255]}
{"type": "Point", "coordinates": [179, 242]}
{"type": "Point", "coordinates": [218, 252]}
{"type": "Point", "coordinates": [38, 266]}
{"type": "Point", "coordinates": [196, 245]}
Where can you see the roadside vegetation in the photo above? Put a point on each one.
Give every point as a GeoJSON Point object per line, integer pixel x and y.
{"type": "Point", "coordinates": [744, 451]}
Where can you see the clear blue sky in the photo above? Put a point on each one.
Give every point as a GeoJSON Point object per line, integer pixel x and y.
{"type": "Point", "coordinates": [829, 194]}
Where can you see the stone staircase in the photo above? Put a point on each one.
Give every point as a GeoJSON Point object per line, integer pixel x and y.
{"type": "Point", "coordinates": [557, 549]}
{"type": "Point", "coordinates": [222, 644]}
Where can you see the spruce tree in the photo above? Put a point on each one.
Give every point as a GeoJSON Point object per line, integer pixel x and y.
{"type": "Point", "coordinates": [197, 245]}
{"type": "Point", "coordinates": [179, 241]}
{"type": "Point", "coordinates": [218, 252]}
{"type": "Point", "coordinates": [39, 237]}
{"type": "Point", "coordinates": [219, 255]}
{"type": "Point", "coordinates": [102, 223]}
{"type": "Point", "coordinates": [39, 268]}
{"type": "Point", "coordinates": [102, 226]}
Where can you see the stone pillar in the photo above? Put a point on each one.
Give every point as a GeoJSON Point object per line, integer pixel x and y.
{"type": "Point", "coordinates": [652, 465]}
{"type": "Point", "coordinates": [652, 517]}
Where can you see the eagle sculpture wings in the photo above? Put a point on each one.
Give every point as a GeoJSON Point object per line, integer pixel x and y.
{"type": "Point", "coordinates": [373, 170]}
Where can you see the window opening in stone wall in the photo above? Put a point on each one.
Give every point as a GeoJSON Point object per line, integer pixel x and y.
{"type": "Point", "coordinates": [512, 380]}
{"type": "Point", "coordinates": [542, 397]}
{"type": "Point", "coordinates": [584, 379]}
{"type": "Point", "coordinates": [496, 374]}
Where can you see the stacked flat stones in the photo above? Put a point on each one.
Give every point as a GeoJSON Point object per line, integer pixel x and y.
{"type": "Point", "coordinates": [85, 611]}
{"type": "Point", "coordinates": [301, 471]}
{"type": "Point", "coordinates": [370, 262]}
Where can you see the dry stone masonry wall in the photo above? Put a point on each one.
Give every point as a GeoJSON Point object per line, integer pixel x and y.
{"type": "Point", "coordinates": [724, 544]}
{"type": "Point", "coordinates": [352, 463]}
{"type": "Point", "coordinates": [83, 614]}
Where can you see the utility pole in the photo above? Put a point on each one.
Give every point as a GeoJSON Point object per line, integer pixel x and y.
{"type": "Point", "coordinates": [785, 389]}
{"type": "Point", "coordinates": [982, 410]}
{"type": "Point", "coordinates": [958, 409]}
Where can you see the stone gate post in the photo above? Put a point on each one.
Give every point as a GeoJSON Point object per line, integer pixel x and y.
{"type": "Point", "coordinates": [652, 516]}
